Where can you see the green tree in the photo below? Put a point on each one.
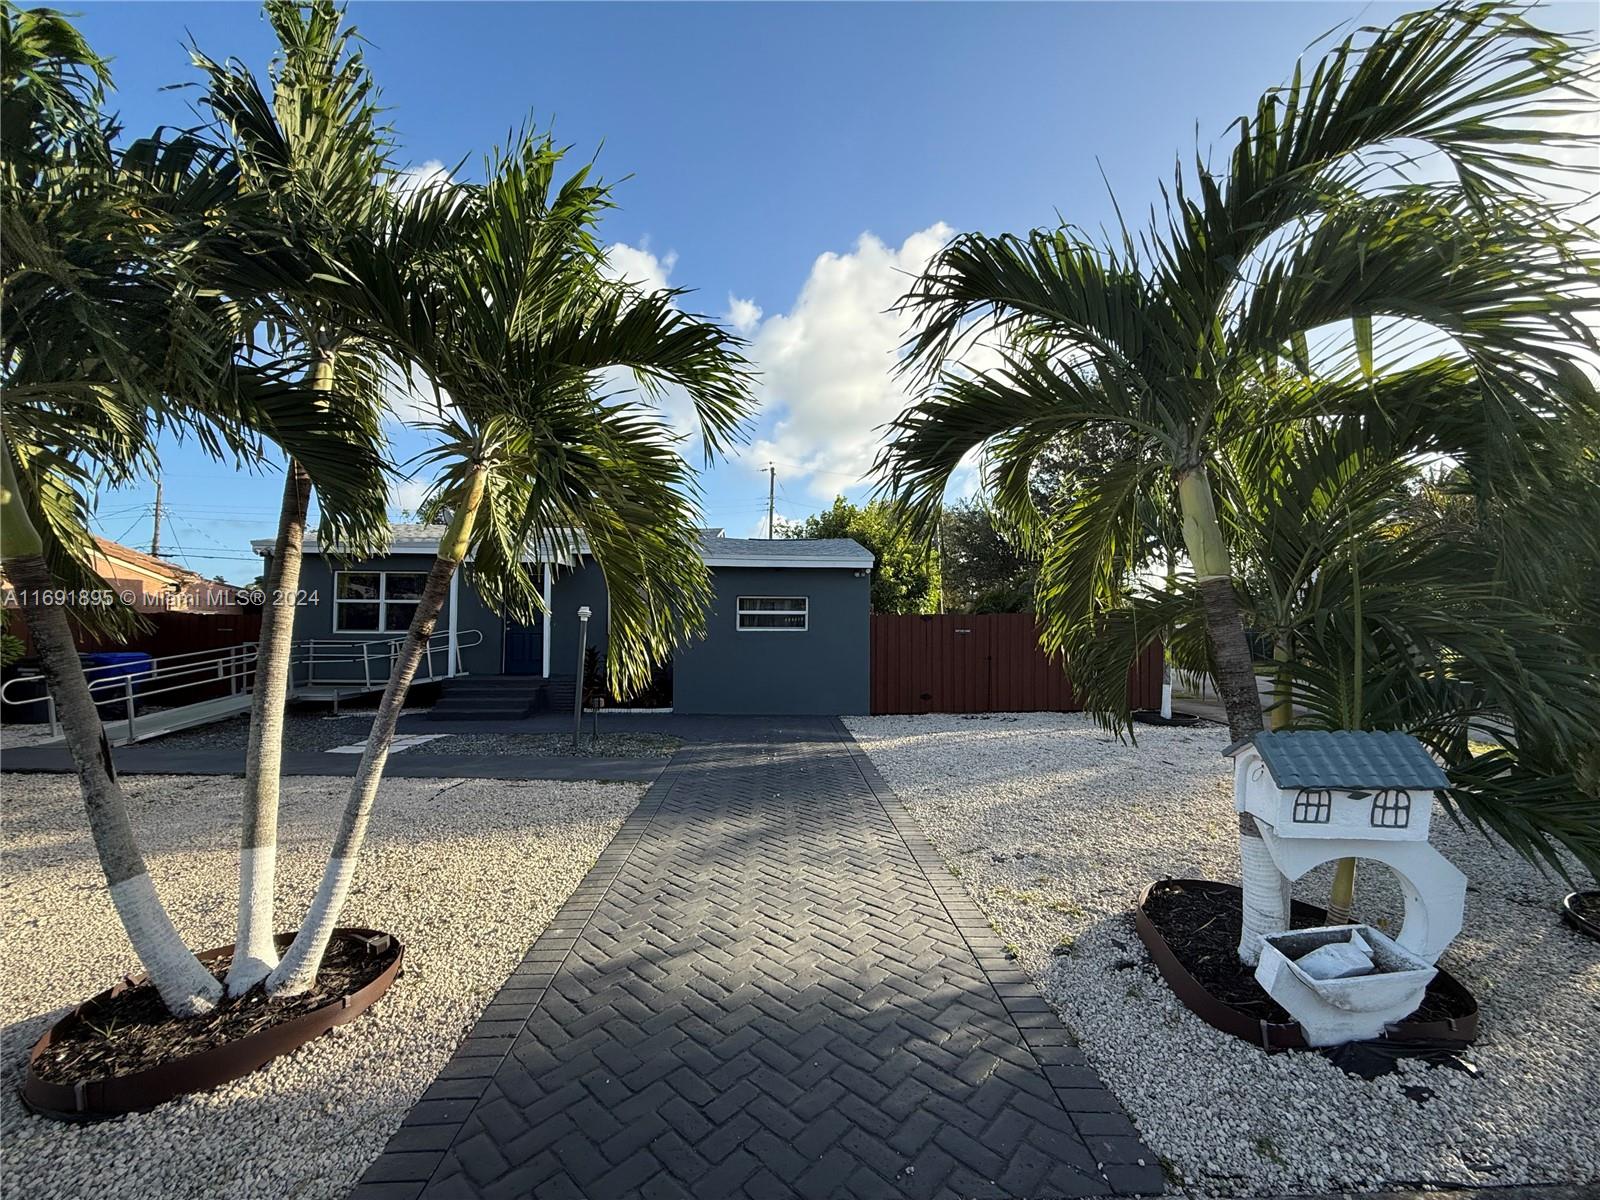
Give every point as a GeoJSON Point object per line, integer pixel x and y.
{"type": "Point", "coordinates": [312, 154]}
{"type": "Point", "coordinates": [119, 322]}
{"type": "Point", "coordinates": [980, 567]}
{"type": "Point", "coordinates": [1382, 618]}
{"type": "Point", "coordinates": [1169, 338]}
{"type": "Point", "coordinates": [517, 325]}
{"type": "Point", "coordinates": [905, 573]}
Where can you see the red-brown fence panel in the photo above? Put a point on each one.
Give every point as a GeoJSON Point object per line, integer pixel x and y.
{"type": "Point", "coordinates": [986, 662]}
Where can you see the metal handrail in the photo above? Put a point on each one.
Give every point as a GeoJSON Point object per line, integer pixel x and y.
{"type": "Point", "coordinates": [381, 655]}
{"type": "Point", "coordinates": [125, 683]}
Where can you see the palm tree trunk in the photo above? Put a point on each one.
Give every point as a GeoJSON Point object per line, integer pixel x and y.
{"type": "Point", "coordinates": [298, 970]}
{"type": "Point", "coordinates": [1342, 895]}
{"type": "Point", "coordinates": [1265, 891]}
{"type": "Point", "coordinates": [255, 951]}
{"type": "Point", "coordinates": [186, 987]}
{"type": "Point", "coordinates": [1166, 646]}
{"type": "Point", "coordinates": [1230, 651]}
{"type": "Point", "coordinates": [1280, 715]}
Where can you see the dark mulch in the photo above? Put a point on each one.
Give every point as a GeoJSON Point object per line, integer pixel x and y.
{"type": "Point", "coordinates": [133, 1030]}
{"type": "Point", "coordinates": [1202, 926]}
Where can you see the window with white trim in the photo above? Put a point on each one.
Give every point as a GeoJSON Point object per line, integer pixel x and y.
{"type": "Point", "coordinates": [772, 612]}
{"type": "Point", "coordinates": [376, 601]}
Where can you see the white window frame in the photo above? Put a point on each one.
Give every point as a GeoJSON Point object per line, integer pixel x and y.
{"type": "Point", "coordinates": [382, 601]}
{"type": "Point", "coordinates": [804, 612]}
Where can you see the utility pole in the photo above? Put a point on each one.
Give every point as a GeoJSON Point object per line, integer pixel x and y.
{"type": "Point", "coordinates": [155, 531]}
{"type": "Point", "coordinates": [772, 482]}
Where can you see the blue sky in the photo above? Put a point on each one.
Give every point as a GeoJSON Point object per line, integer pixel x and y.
{"type": "Point", "coordinates": [798, 160]}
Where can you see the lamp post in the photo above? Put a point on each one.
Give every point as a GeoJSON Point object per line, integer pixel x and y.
{"type": "Point", "coordinates": [577, 696]}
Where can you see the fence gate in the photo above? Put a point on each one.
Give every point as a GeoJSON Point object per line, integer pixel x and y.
{"type": "Point", "coordinates": [989, 662]}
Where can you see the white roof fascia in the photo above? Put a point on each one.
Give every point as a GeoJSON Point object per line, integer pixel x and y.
{"type": "Point", "coordinates": [834, 564]}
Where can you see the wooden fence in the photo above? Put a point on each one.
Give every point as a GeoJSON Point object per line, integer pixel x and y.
{"type": "Point", "coordinates": [167, 633]}
{"type": "Point", "coordinates": [982, 663]}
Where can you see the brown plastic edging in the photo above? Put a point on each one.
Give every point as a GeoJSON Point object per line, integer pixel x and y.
{"type": "Point", "coordinates": [209, 1068]}
{"type": "Point", "coordinates": [1271, 1036]}
{"type": "Point", "coordinates": [1576, 919]}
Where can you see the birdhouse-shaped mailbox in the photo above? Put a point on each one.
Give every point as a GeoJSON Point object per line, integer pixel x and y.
{"type": "Point", "coordinates": [1370, 786]}
{"type": "Point", "coordinates": [1319, 796]}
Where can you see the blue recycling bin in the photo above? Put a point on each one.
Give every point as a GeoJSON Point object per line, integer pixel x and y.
{"type": "Point", "coordinates": [107, 671]}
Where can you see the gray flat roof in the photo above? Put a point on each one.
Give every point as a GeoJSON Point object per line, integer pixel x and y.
{"type": "Point", "coordinates": [1345, 758]}
{"type": "Point", "coordinates": [796, 552]}
{"type": "Point", "coordinates": [718, 551]}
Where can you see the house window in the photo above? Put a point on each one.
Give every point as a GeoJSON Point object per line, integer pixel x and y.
{"type": "Point", "coordinates": [1313, 806]}
{"type": "Point", "coordinates": [1391, 809]}
{"type": "Point", "coordinates": [772, 612]}
{"type": "Point", "coordinates": [376, 601]}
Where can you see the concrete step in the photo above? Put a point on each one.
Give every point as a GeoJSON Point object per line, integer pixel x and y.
{"type": "Point", "coordinates": [490, 698]}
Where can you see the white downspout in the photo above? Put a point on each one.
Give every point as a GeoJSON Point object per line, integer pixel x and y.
{"type": "Point", "coordinates": [549, 612]}
{"type": "Point", "coordinates": [455, 650]}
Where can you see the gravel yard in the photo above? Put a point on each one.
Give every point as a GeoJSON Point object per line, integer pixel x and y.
{"type": "Point", "coordinates": [1055, 826]}
{"type": "Point", "coordinates": [466, 872]}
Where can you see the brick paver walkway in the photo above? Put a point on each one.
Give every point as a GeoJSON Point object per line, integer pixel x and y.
{"type": "Point", "coordinates": [768, 986]}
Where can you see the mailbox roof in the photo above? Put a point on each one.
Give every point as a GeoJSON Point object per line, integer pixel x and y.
{"type": "Point", "coordinates": [1345, 759]}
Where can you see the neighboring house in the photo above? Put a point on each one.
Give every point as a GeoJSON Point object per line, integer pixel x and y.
{"type": "Point", "coordinates": [153, 584]}
{"type": "Point", "coordinates": [787, 633]}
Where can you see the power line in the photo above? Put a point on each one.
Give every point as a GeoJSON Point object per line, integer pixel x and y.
{"type": "Point", "coordinates": [136, 521]}
{"type": "Point", "coordinates": [175, 540]}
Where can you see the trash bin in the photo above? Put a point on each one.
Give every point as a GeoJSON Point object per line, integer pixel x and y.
{"type": "Point", "coordinates": [107, 671]}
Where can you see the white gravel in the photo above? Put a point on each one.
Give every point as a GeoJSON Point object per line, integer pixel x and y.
{"type": "Point", "coordinates": [1054, 827]}
{"type": "Point", "coordinates": [466, 872]}
{"type": "Point", "coordinates": [19, 737]}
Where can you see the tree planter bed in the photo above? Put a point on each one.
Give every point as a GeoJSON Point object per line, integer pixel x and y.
{"type": "Point", "coordinates": [1186, 926]}
{"type": "Point", "coordinates": [76, 1074]}
{"type": "Point", "coordinates": [1581, 910]}
{"type": "Point", "coordinates": [1152, 716]}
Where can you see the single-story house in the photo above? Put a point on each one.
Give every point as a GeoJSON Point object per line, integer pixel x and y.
{"type": "Point", "coordinates": [787, 632]}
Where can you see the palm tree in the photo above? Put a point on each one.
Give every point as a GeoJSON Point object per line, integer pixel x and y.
{"type": "Point", "coordinates": [1202, 330]}
{"type": "Point", "coordinates": [1168, 338]}
{"type": "Point", "coordinates": [1383, 621]}
{"type": "Point", "coordinates": [513, 329]}
{"type": "Point", "coordinates": [313, 155]}
{"type": "Point", "coordinates": [114, 330]}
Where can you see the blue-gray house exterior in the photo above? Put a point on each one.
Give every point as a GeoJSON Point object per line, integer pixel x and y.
{"type": "Point", "coordinates": [787, 633]}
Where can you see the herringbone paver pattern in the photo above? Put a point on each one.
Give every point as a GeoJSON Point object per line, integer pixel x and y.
{"type": "Point", "coordinates": [768, 987]}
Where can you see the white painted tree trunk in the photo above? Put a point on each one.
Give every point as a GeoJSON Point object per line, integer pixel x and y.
{"type": "Point", "coordinates": [256, 952]}
{"type": "Point", "coordinates": [186, 987]}
{"type": "Point", "coordinates": [298, 969]}
{"type": "Point", "coordinates": [1266, 891]}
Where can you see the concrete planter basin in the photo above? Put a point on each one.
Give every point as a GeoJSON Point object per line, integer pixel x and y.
{"type": "Point", "coordinates": [1334, 1011]}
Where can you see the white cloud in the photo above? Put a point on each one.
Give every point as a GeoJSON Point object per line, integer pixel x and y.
{"type": "Point", "coordinates": [827, 365]}
{"type": "Point", "coordinates": [742, 316]}
{"type": "Point", "coordinates": [415, 178]}
{"type": "Point", "coordinates": [406, 494]}
{"type": "Point", "coordinates": [651, 272]}
{"type": "Point", "coordinates": [413, 401]}
{"type": "Point", "coordinates": [638, 265]}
